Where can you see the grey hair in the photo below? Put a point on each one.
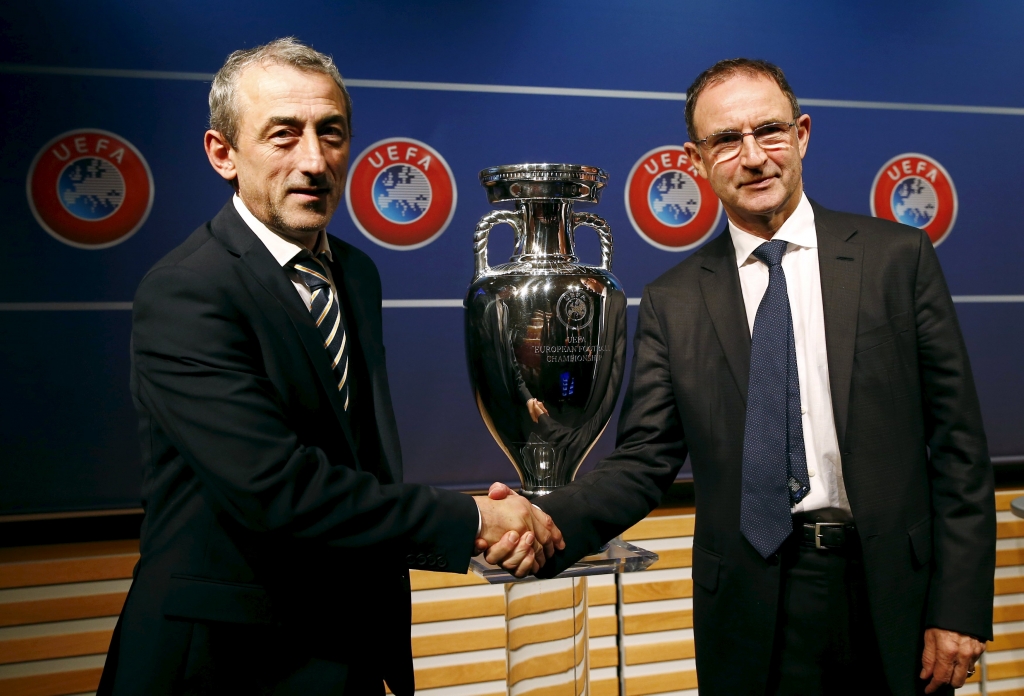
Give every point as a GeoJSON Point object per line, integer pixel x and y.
{"type": "Point", "coordinates": [289, 51]}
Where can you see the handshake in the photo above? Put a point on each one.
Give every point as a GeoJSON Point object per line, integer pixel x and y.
{"type": "Point", "coordinates": [515, 534]}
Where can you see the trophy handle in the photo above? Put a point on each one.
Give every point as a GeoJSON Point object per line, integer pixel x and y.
{"type": "Point", "coordinates": [483, 230]}
{"type": "Point", "coordinates": [604, 234]}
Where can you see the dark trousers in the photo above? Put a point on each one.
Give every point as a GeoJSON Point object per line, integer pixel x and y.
{"type": "Point", "coordinates": [824, 638]}
{"type": "Point", "coordinates": [222, 658]}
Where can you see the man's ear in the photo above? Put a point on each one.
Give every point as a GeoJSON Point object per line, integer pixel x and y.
{"type": "Point", "coordinates": [803, 133]}
{"type": "Point", "coordinates": [221, 154]}
{"type": "Point", "coordinates": [693, 152]}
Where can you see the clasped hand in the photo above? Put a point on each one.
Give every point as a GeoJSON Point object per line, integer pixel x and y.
{"type": "Point", "coordinates": [949, 658]}
{"type": "Point", "coordinates": [514, 534]}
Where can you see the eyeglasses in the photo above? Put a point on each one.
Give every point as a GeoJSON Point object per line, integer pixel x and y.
{"type": "Point", "coordinates": [727, 144]}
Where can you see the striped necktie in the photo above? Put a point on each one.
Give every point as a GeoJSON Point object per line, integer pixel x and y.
{"type": "Point", "coordinates": [326, 312]}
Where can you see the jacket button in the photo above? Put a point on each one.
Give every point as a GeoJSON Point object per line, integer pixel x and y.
{"type": "Point", "coordinates": [442, 562]}
{"type": "Point", "coordinates": [410, 559]}
{"type": "Point", "coordinates": [431, 559]}
{"type": "Point", "coordinates": [421, 559]}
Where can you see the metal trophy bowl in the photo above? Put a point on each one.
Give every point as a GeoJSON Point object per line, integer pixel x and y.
{"type": "Point", "coordinates": [545, 334]}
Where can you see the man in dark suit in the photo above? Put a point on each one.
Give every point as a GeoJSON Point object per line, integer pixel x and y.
{"type": "Point", "coordinates": [278, 533]}
{"type": "Point", "coordinates": [811, 365]}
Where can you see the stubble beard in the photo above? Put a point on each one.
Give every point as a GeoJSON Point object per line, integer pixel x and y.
{"type": "Point", "coordinates": [301, 228]}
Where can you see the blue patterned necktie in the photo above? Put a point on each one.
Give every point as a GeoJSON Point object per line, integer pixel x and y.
{"type": "Point", "coordinates": [774, 460]}
{"type": "Point", "coordinates": [326, 312]}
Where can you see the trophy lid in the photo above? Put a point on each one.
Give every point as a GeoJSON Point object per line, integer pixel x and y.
{"type": "Point", "coordinates": [512, 182]}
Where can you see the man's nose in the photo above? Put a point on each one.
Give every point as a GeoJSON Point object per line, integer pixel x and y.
{"type": "Point", "coordinates": [311, 155]}
{"type": "Point", "coordinates": [752, 155]}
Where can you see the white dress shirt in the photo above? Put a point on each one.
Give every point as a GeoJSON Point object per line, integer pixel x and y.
{"type": "Point", "coordinates": [284, 250]}
{"type": "Point", "coordinates": [803, 281]}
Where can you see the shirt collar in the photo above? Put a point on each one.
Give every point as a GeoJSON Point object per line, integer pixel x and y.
{"type": "Point", "coordinates": [283, 250]}
{"type": "Point", "coordinates": [797, 230]}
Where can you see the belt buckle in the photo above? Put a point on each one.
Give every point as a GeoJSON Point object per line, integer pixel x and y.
{"type": "Point", "coordinates": [817, 532]}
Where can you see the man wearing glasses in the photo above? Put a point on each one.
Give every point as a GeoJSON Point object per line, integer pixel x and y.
{"type": "Point", "coordinates": [811, 365]}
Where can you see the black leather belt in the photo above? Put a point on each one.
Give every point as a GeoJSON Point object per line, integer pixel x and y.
{"type": "Point", "coordinates": [824, 529]}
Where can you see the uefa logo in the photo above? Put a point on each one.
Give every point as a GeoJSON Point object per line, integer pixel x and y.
{"type": "Point", "coordinates": [401, 193]}
{"type": "Point", "coordinates": [575, 309]}
{"type": "Point", "coordinates": [90, 188]}
{"type": "Point", "coordinates": [916, 190]}
{"type": "Point", "coordinates": [669, 203]}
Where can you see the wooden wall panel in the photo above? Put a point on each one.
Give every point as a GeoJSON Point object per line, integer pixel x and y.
{"type": "Point", "coordinates": [1004, 659]}
{"type": "Point", "coordinates": [459, 634]}
{"type": "Point", "coordinates": [54, 646]}
{"type": "Point", "coordinates": [61, 608]}
{"type": "Point", "coordinates": [52, 684]}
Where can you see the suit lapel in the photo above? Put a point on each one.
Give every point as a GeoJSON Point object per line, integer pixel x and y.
{"type": "Point", "coordinates": [236, 235]}
{"type": "Point", "coordinates": [720, 286]}
{"type": "Point", "coordinates": [840, 262]}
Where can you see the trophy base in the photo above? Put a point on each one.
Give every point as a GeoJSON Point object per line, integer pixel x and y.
{"type": "Point", "coordinates": [616, 556]}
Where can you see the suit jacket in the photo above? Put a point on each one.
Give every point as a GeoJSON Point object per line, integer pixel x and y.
{"type": "Point", "coordinates": [914, 456]}
{"type": "Point", "coordinates": [273, 559]}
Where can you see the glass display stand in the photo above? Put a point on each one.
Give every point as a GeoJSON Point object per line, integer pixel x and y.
{"type": "Point", "coordinates": [547, 641]}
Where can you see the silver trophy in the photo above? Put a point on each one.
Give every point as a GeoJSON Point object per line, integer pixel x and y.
{"type": "Point", "coordinates": [546, 346]}
{"type": "Point", "coordinates": [545, 334]}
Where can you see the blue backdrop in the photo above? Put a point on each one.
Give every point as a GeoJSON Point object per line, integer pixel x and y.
{"type": "Point", "coordinates": [879, 79]}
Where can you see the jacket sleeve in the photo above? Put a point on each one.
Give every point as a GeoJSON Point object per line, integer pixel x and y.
{"type": "Point", "coordinates": [650, 449]}
{"type": "Point", "coordinates": [197, 370]}
{"type": "Point", "coordinates": [962, 482]}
